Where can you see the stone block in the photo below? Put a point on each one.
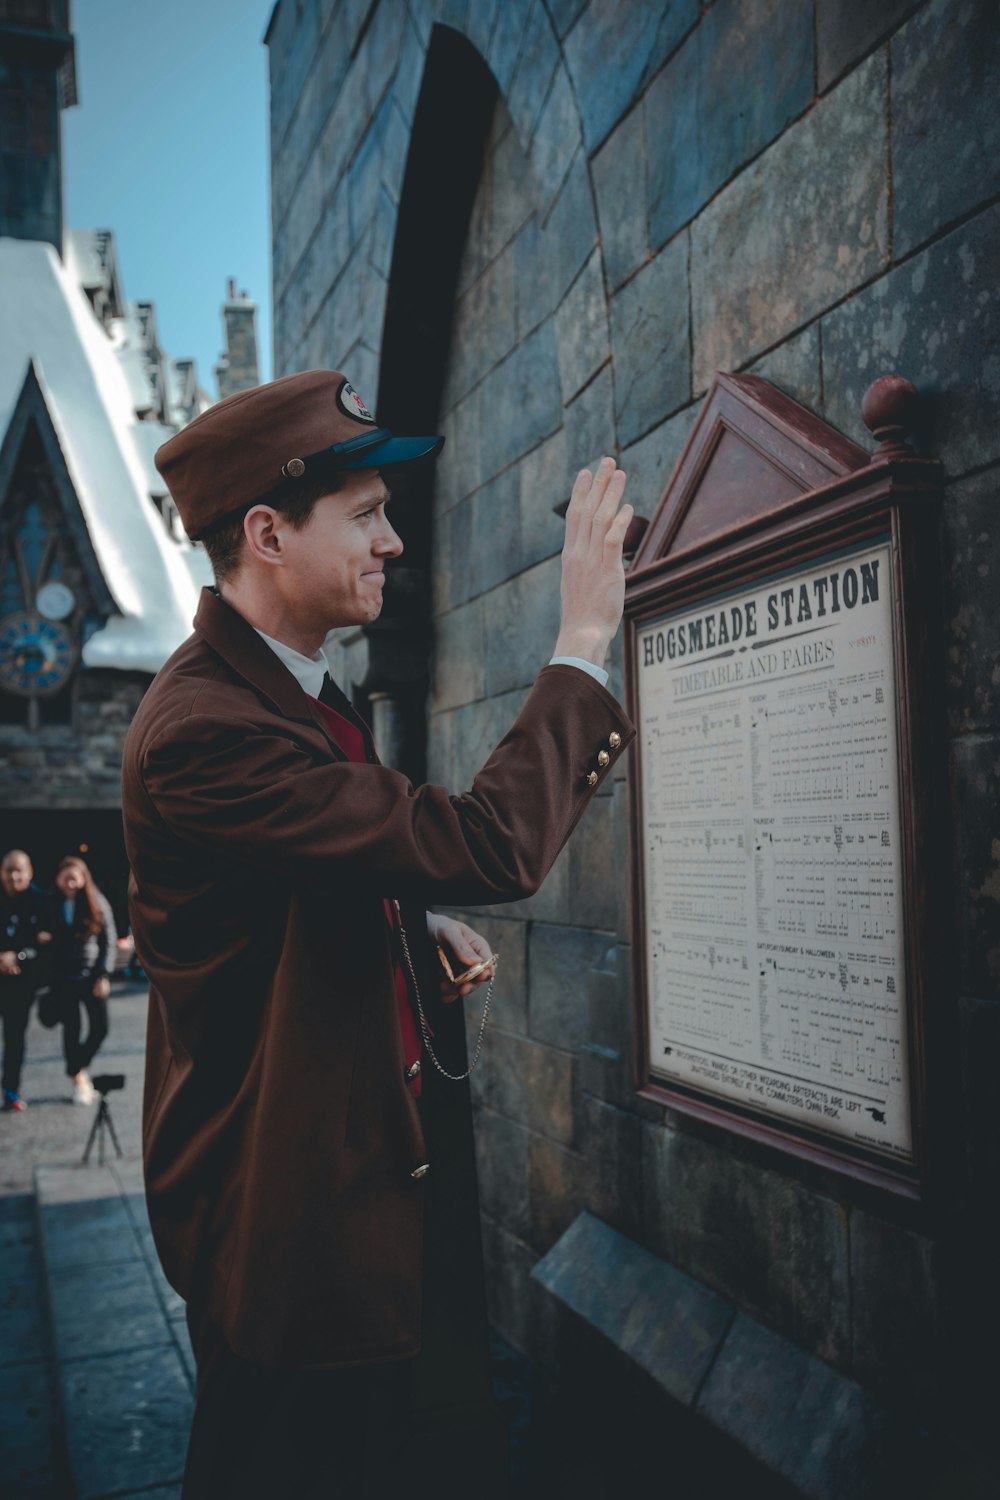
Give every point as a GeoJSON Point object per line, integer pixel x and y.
{"type": "Point", "coordinates": [583, 343]}
{"type": "Point", "coordinates": [975, 799]}
{"type": "Point", "coordinates": [545, 478]}
{"type": "Point", "coordinates": [794, 367]}
{"type": "Point", "coordinates": [945, 125]}
{"type": "Point", "coordinates": [395, 146]}
{"type": "Point", "coordinates": [479, 24]}
{"type": "Point", "coordinates": [548, 260]}
{"type": "Point", "coordinates": [292, 234]}
{"type": "Point", "coordinates": [502, 1152]}
{"type": "Point", "coordinates": [379, 54]}
{"type": "Point", "coordinates": [556, 139]}
{"type": "Point", "coordinates": [615, 50]}
{"type": "Point", "coordinates": [559, 959]}
{"type": "Point", "coordinates": [650, 462]}
{"type": "Point", "coordinates": [530, 1083]}
{"type": "Point", "coordinates": [494, 540]}
{"type": "Point", "coordinates": [778, 1249]}
{"type": "Point", "coordinates": [564, 13]}
{"type": "Point", "coordinates": [595, 879]}
{"type": "Point", "coordinates": [971, 557]}
{"type": "Point", "coordinates": [536, 66]}
{"type": "Point", "coordinates": [522, 622]}
{"type": "Point", "coordinates": [520, 401]}
{"type": "Point", "coordinates": [452, 582]}
{"type": "Point", "coordinates": [739, 79]}
{"type": "Point", "coordinates": [619, 172]}
{"type": "Point", "coordinates": [822, 1433]}
{"type": "Point", "coordinates": [383, 238]}
{"type": "Point", "coordinates": [483, 327]}
{"type": "Point", "coordinates": [935, 319]}
{"type": "Point", "coordinates": [507, 1262]}
{"type": "Point", "coordinates": [505, 43]}
{"type": "Point", "coordinates": [612, 1165]}
{"type": "Point", "coordinates": [410, 73]}
{"type": "Point", "coordinates": [512, 202]}
{"type": "Point", "coordinates": [649, 338]}
{"type": "Point", "coordinates": [459, 470]}
{"type": "Point", "coordinates": [292, 51]}
{"type": "Point", "coordinates": [556, 1187]}
{"type": "Point", "coordinates": [897, 1332]}
{"type": "Point", "coordinates": [759, 268]}
{"type": "Point", "coordinates": [132, 1316]}
{"type": "Point", "coordinates": [660, 1319]}
{"type": "Point", "coordinates": [845, 32]}
{"type": "Point", "coordinates": [590, 422]}
{"type": "Point", "coordinates": [458, 669]}
{"type": "Point", "coordinates": [145, 1394]}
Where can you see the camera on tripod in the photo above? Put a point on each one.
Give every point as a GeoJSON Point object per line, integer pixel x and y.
{"type": "Point", "coordinates": [104, 1084]}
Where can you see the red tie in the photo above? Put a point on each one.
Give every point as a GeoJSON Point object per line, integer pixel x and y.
{"type": "Point", "coordinates": [354, 738]}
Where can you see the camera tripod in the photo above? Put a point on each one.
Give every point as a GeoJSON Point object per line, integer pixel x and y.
{"type": "Point", "coordinates": [103, 1126]}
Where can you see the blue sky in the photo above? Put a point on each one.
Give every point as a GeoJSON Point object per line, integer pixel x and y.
{"type": "Point", "coordinates": [168, 148]}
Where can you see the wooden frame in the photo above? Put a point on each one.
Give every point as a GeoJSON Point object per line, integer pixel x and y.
{"type": "Point", "coordinates": [763, 486]}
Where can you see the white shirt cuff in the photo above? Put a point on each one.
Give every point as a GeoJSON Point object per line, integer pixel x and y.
{"type": "Point", "coordinates": [598, 673]}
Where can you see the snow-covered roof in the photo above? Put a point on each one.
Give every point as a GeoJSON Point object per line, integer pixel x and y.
{"type": "Point", "coordinates": [46, 318]}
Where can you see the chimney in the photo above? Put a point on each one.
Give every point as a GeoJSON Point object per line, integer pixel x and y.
{"type": "Point", "coordinates": [238, 368]}
{"type": "Point", "coordinates": [37, 81]}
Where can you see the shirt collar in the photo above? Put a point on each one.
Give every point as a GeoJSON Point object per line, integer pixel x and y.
{"type": "Point", "coordinates": [308, 671]}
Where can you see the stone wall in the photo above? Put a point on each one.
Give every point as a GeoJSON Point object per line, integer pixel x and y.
{"type": "Point", "coordinates": [77, 766]}
{"type": "Point", "coordinates": [802, 188]}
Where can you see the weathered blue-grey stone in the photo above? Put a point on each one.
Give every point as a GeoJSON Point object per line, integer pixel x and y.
{"type": "Point", "coordinates": [556, 1177]}
{"type": "Point", "coordinates": [459, 470]}
{"type": "Point", "coordinates": [27, 1416]}
{"type": "Point", "coordinates": [494, 536]}
{"type": "Point", "coordinates": [344, 128]}
{"type": "Point", "coordinates": [512, 201]}
{"type": "Point", "coordinates": [605, 1059]}
{"type": "Point", "coordinates": [595, 881]}
{"type": "Point", "coordinates": [502, 1167]}
{"type": "Point", "coordinates": [945, 123]}
{"type": "Point", "coordinates": [582, 338]}
{"type": "Point", "coordinates": [545, 479]}
{"type": "Point", "coordinates": [318, 269]}
{"type": "Point", "coordinates": [615, 49]}
{"type": "Point", "coordinates": [476, 730]}
{"type": "Point", "coordinates": [759, 268]}
{"type": "Point", "coordinates": [794, 367]}
{"type": "Point", "coordinates": [935, 319]}
{"type": "Point", "coordinates": [395, 146]}
{"type": "Point", "coordinates": [383, 234]}
{"type": "Point", "coordinates": [611, 1150]}
{"type": "Point", "coordinates": [22, 1321]}
{"type": "Point", "coordinates": [776, 1248]}
{"type": "Point", "coordinates": [292, 47]}
{"type": "Point", "coordinates": [479, 23]}
{"type": "Point", "coordinates": [564, 13]}
{"type": "Point", "coordinates": [508, 937]}
{"type": "Point", "coordinates": [556, 139]}
{"type": "Point", "coordinates": [739, 79]}
{"type": "Point", "coordinates": [650, 462]}
{"type": "Point", "coordinates": [590, 423]}
{"type": "Point", "coordinates": [619, 170]}
{"type": "Point", "coordinates": [457, 667]}
{"type": "Point", "coordinates": [520, 401]}
{"type": "Point", "coordinates": [410, 73]}
{"type": "Point", "coordinates": [656, 1316]}
{"type": "Point", "coordinates": [453, 13]}
{"type": "Point", "coordinates": [127, 1420]}
{"type": "Point", "coordinates": [975, 797]}
{"type": "Point", "coordinates": [558, 961]}
{"type": "Point", "coordinates": [452, 567]}
{"type": "Point", "coordinates": [971, 557]}
{"type": "Point", "coordinates": [533, 75]}
{"type": "Point", "coordinates": [530, 1083]}
{"type": "Point", "coordinates": [845, 31]}
{"type": "Point", "coordinates": [18, 1237]}
{"type": "Point", "coordinates": [483, 330]}
{"type": "Point", "coordinates": [548, 260]}
{"type": "Point", "coordinates": [132, 1315]}
{"type": "Point", "coordinates": [649, 338]}
{"type": "Point", "coordinates": [379, 55]}
{"type": "Point", "coordinates": [87, 1233]}
{"type": "Point", "coordinates": [507, 1262]}
{"type": "Point", "coordinates": [505, 44]}
{"type": "Point", "coordinates": [523, 622]}
{"type": "Point", "coordinates": [292, 233]}
{"type": "Point", "coordinates": [898, 1339]}
{"type": "Point", "coordinates": [821, 1432]}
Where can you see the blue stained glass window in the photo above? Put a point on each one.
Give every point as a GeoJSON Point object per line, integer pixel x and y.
{"type": "Point", "coordinates": [11, 600]}
{"type": "Point", "coordinates": [32, 537]}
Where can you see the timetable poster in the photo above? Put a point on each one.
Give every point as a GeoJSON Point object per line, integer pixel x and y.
{"type": "Point", "coordinates": [773, 860]}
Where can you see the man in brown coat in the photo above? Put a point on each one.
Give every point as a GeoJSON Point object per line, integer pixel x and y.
{"type": "Point", "coordinates": [280, 881]}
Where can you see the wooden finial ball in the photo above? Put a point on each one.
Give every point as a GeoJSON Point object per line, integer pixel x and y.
{"type": "Point", "coordinates": [889, 409]}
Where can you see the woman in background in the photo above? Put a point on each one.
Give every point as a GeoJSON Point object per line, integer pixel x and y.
{"type": "Point", "coordinates": [83, 956]}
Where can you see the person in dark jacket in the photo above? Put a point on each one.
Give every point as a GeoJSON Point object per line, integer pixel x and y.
{"type": "Point", "coordinates": [83, 960]}
{"type": "Point", "coordinates": [25, 929]}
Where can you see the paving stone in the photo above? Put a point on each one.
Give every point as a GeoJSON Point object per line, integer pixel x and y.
{"type": "Point", "coordinates": [759, 268]}
{"type": "Point", "coordinates": [619, 171]}
{"type": "Point", "coordinates": [521, 398]}
{"type": "Point", "coordinates": [583, 343]}
{"type": "Point", "coordinates": [776, 1248]}
{"type": "Point", "coordinates": [971, 567]}
{"type": "Point", "coordinates": [738, 81]}
{"type": "Point", "coordinates": [794, 367]}
{"type": "Point", "coordinates": [529, 1083]}
{"type": "Point", "coordinates": [23, 1331]}
{"type": "Point", "coordinates": [898, 1341]}
{"type": "Point", "coordinates": [595, 879]}
{"type": "Point", "coordinates": [614, 51]}
{"type": "Point", "coordinates": [935, 319]}
{"type": "Point", "coordinates": [522, 622]}
{"type": "Point", "coordinates": [556, 140]}
{"type": "Point", "coordinates": [458, 666]}
{"type": "Point", "coordinates": [821, 1432]}
{"type": "Point", "coordinates": [649, 336]}
{"type": "Point", "coordinates": [590, 421]}
{"type": "Point", "coordinates": [975, 798]}
{"type": "Point", "coordinates": [548, 260]}
{"type": "Point", "coordinates": [87, 1233]}
{"type": "Point", "coordinates": [132, 1314]}
{"type": "Point", "coordinates": [558, 961]}
{"type": "Point", "coordinates": [127, 1419]}
{"type": "Point", "coordinates": [18, 1237]}
{"type": "Point", "coordinates": [650, 462]}
{"type": "Point", "coordinates": [26, 1414]}
{"type": "Point", "coordinates": [845, 32]}
{"type": "Point", "coordinates": [502, 1148]}
{"type": "Point", "coordinates": [662, 1320]}
{"type": "Point", "coordinates": [536, 66]}
{"type": "Point", "coordinates": [941, 168]}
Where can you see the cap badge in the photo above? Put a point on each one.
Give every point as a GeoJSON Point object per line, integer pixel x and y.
{"type": "Point", "coordinates": [353, 404]}
{"type": "Point", "coordinates": [294, 468]}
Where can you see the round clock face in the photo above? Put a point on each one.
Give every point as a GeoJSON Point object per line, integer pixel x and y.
{"type": "Point", "coordinates": [36, 655]}
{"type": "Point", "coordinates": [55, 601]}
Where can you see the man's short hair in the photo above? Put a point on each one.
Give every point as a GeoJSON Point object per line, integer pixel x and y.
{"type": "Point", "coordinates": [225, 542]}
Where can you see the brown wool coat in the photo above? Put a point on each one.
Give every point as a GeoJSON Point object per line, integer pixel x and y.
{"type": "Point", "coordinates": [279, 1134]}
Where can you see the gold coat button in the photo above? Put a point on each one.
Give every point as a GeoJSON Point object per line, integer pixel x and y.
{"type": "Point", "coordinates": [592, 779]}
{"type": "Point", "coordinates": [421, 1171]}
{"type": "Point", "coordinates": [614, 739]}
{"type": "Point", "coordinates": [603, 758]}
{"type": "Point", "coordinates": [413, 1069]}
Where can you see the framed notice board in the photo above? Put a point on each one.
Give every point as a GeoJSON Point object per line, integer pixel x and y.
{"type": "Point", "coordinates": [778, 665]}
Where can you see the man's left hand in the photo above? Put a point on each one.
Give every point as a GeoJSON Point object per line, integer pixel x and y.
{"type": "Point", "coordinates": [464, 948]}
{"type": "Point", "coordinates": [101, 988]}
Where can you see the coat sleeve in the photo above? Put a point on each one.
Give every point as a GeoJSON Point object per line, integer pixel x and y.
{"type": "Point", "coordinates": [224, 785]}
{"type": "Point", "coordinates": [107, 938]}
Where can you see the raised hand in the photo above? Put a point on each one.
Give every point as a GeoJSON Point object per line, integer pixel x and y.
{"type": "Point", "coordinates": [593, 574]}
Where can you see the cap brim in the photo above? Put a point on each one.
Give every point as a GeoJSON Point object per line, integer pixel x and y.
{"type": "Point", "coordinates": [395, 450]}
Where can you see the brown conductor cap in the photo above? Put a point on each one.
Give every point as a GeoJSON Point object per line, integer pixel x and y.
{"type": "Point", "coordinates": [261, 442]}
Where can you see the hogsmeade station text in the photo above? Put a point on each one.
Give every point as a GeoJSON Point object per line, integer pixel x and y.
{"type": "Point", "coordinates": [800, 604]}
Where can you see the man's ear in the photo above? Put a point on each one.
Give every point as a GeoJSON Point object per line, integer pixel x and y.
{"type": "Point", "coordinates": [260, 527]}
